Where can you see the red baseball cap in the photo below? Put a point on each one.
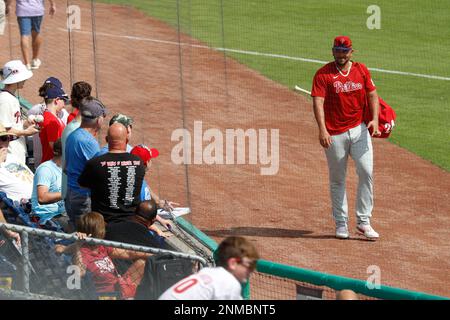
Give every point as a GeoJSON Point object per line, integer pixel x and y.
{"type": "Point", "coordinates": [342, 43]}
{"type": "Point", "coordinates": [145, 153]}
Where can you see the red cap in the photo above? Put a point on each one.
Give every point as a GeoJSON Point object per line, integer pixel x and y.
{"type": "Point", "coordinates": [342, 43]}
{"type": "Point", "coordinates": [144, 153]}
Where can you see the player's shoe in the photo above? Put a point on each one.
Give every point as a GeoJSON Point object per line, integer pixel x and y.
{"type": "Point", "coordinates": [35, 64]}
{"type": "Point", "coordinates": [341, 232]}
{"type": "Point", "coordinates": [367, 231]}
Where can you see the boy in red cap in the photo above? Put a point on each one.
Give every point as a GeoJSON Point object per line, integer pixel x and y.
{"type": "Point", "coordinates": [340, 93]}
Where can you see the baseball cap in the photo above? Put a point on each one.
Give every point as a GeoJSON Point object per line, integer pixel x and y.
{"type": "Point", "coordinates": [121, 118]}
{"type": "Point", "coordinates": [54, 81]}
{"type": "Point", "coordinates": [3, 132]}
{"type": "Point", "coordinates": [14, 72]}
{"type": "Point", "coordinates": [92, 108]}
{"type": "Point", "coordinates": [145, 153]}
{"type": "Point", "coordinates": [342, 43]}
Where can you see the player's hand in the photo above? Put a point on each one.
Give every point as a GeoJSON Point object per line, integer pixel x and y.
{"type": "Point", "coordinates": [52, 10]}
{"type": "Point", "coordinates": [325, 139]}
{"type": "Point", "coordinates": [374, 125]}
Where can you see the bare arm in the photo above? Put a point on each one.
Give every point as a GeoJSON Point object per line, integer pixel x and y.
{"type": "Point", "coordinates": [128, 254]}
{"type": "Point", "coordinates": [52, 9]}
{"type": "Point", "coordinates": [31, 130]}
{"type": "Point", "coordinates": [9, 233]}
{"type": "Point", "coordinates": [324, 136]}
{"type": "Point", "coordinates": [374, 106]}
{"type": "Point", "coordinates": [46, 197]}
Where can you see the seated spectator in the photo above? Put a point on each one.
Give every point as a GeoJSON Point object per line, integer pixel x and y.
{"type": "Point", "coordinates": [39, 109]}
{"type": "Point", "coordinates": [80, 90]}
{"type": "Point", "coordinates": [136, 229]}
{"type": "Point", "coordinates": [46, 200]}
{"type": "Point", "coordinates": [236, 260]}
{"type": "Point", "coordinates": [346, 295]}
{"type": "Point", "coordinates": [97, 259]}
{"type": "Point", "coordinates": [115, 178]}
{"type": "Point", "coordinates": [16, 179]}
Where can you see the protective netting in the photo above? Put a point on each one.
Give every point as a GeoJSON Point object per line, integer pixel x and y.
{"type": "Point", "coordinates": [206, 66]}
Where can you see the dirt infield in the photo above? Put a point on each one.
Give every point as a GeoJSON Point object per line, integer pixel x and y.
{"type": "Point", "coordinates": [286, 215]}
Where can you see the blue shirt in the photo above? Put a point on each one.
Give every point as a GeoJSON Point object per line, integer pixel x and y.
{"type": "Point", "coordinates": [81, 146]}
{"type": "Point", "coordinates": [47, 174]}
{"type": "Point", "coordinates": [145, 192]}
{"type": "Point", "coordinates": [71, 127]}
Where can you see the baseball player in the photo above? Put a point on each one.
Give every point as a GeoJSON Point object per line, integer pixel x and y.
{"type": "Point", "coordinates": [236, 260]}
{"type": "Point", "coordinates": [340, 93]}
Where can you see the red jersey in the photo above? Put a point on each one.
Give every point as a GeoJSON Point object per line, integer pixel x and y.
{"type": "Point", "coordinates": [98, 262]}
{"type": "Point", "coordinates": [72, 115]}
{"type": "Point", "coordinates": [52, 128]}
{"type": "Point", "coordinates": [345, 95]}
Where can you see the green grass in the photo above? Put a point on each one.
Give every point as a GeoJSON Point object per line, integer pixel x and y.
{"type": "Point", "coordinates": [414, 37]}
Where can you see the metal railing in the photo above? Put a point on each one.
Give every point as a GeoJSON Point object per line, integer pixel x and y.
{"type": "Point", "coordinates": [24, 249]}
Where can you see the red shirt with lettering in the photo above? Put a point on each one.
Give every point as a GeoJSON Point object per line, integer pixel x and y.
{"type": "Point", "coordinates": [345, 95]}
{"type": "Point", "coordinates": [52, 128]}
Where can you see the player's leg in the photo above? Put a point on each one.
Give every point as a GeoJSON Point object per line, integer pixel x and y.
{"type": "Point", "coordinates": [337, 156]}
{"type": "Point", "coordinates": [361, 151]}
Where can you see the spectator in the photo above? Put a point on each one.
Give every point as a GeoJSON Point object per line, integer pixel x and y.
{"type": "Point", "coordinates": [52, 126]}
{"type": "Point", "coordinates": [81, 146]}
{"type": "Point", "coordinates": [97, 259]}
{"type": "Point", "coordinates": [135, 230]}
{"type": "Point", "coordinates": [80, 90]}
{"type": "Point", "coordinates": [29, 16]}
{"type": "Point", "coordinates": [14, 74]}
{"type": "Point", "coordinates": [127, 122]}
{"type": "Point", "coordinates": [346, 295]}
{"type": "Point", "coordinates": [114, 179]}
{"type": "Point", "coordinates": [16, 179]}
{"type": "Point", "coordinates": [46, 201]}
{"type": "Point", "coordinates": [236, 260]}
{"type": "Point", "coordinates": [146, 154]}
{"type": "Point", "coordinates": [39, 109]}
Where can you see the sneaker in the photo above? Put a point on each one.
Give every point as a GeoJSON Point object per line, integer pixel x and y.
{"type": "Point", "coordinates": [341, 232]}
{"type": "Point", "coordinates": [367, 231]}
{"type": "Point", "coordinates": [28, 66]}
{"type": "Point", "coordinates": [35, 64]}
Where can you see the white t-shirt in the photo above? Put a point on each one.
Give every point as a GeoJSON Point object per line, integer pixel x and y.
{"type": "Point", "coordinates": [208, 284]}
{"type": "Point", "coordinates": [10, 117]}
{"type": "Point", "coordinates": [16, 179]}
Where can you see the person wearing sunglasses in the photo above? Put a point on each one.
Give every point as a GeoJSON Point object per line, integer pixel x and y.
{"type": "Point", "coordinates": [236, 259]}
{"type": "Point", "coordinates": [14, 74]}
{"type": "Point", "coordinates": [52, 127]}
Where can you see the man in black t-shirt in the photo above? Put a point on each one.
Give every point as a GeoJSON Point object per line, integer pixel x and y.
{"type": "Point", "coordinates": [115, 178]}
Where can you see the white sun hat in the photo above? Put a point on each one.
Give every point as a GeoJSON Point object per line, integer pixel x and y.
{"type": "Point", "coordinates": [15, 71]}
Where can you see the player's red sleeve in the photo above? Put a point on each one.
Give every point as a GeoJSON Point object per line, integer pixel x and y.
{"type": "Point", "coordinates": [370, 85]}
{"type": "Point", "coordinates": [319, 87]}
